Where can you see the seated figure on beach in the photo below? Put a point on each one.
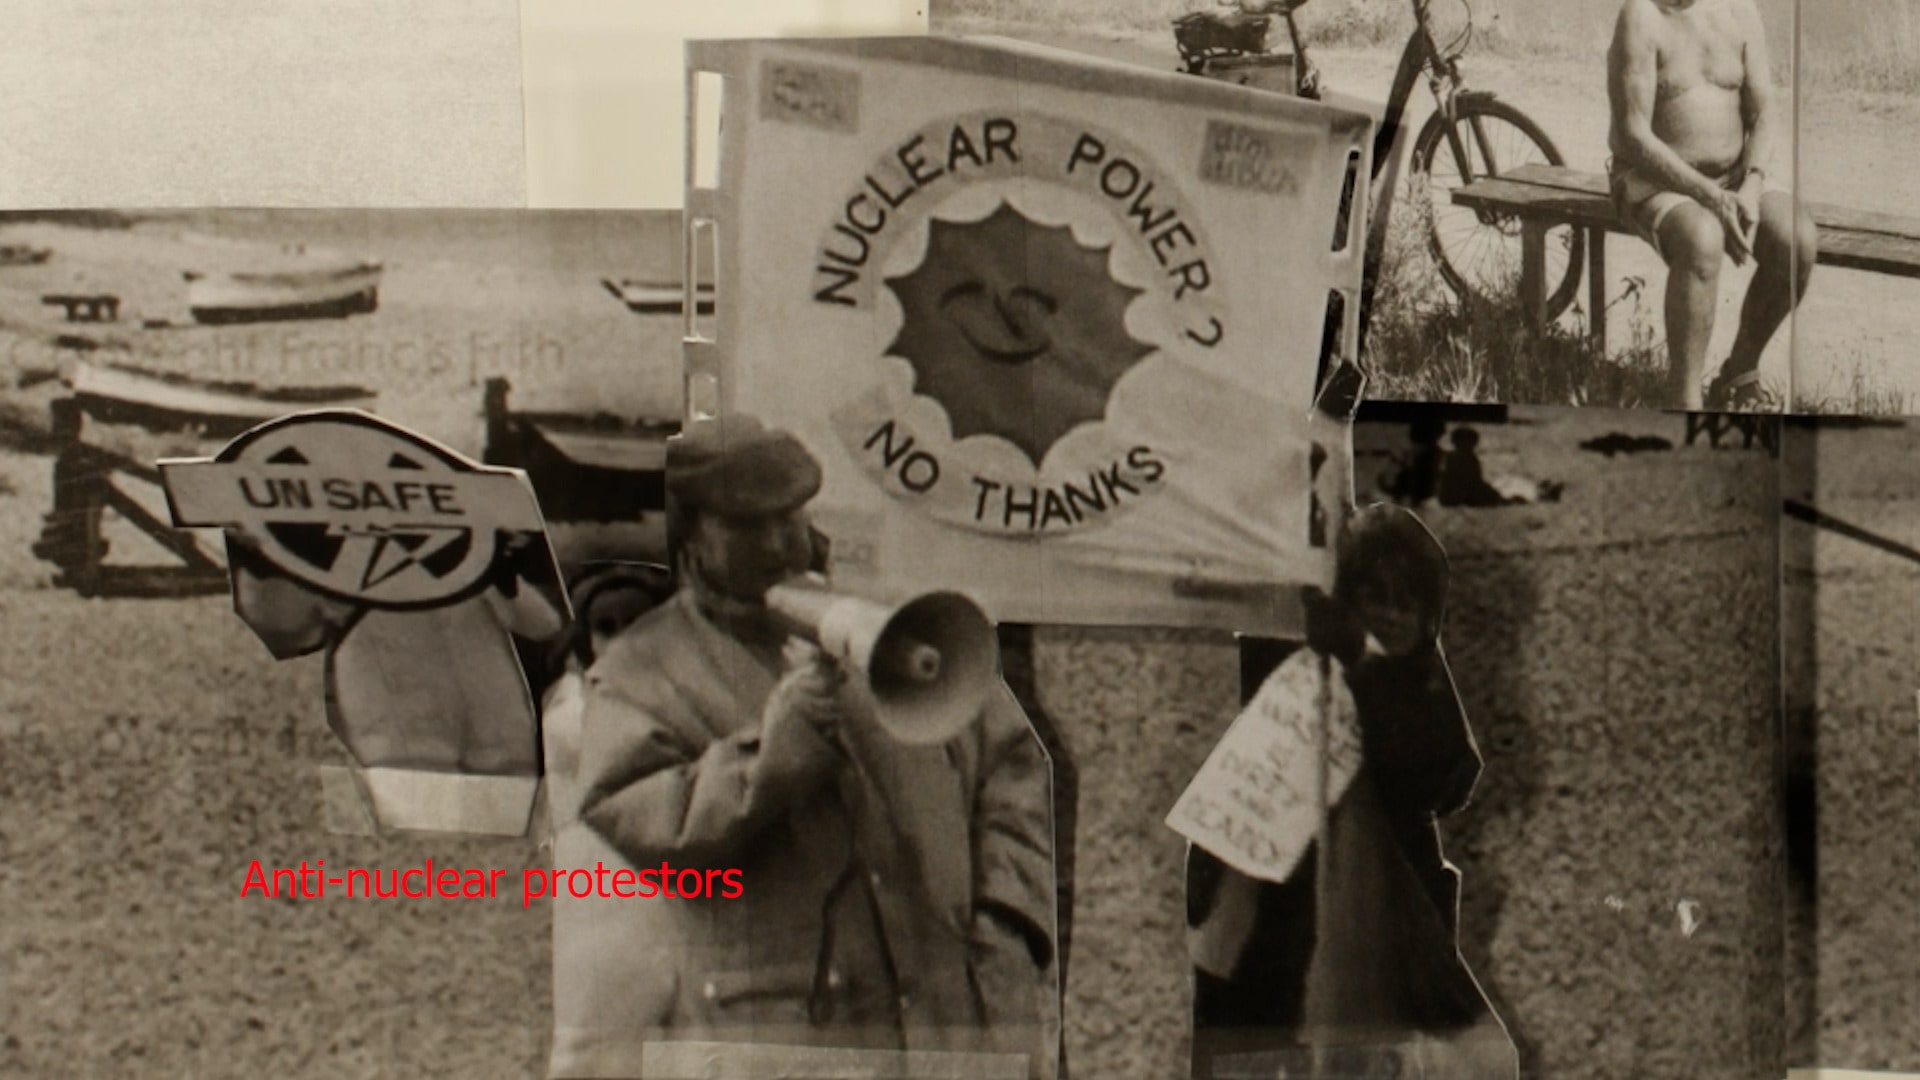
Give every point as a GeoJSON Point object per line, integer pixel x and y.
{"type": "Point", "coordinates": [1417, 476]}
{"type": "Point", "coordinates": [1463, 481]}
{"type": "Point", "coordinates": [1692, 136]}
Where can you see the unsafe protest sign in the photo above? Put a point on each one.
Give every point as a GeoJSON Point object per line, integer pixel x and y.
{"type": "Point", "coordinates": [413, 570]}
{"type": "Point", "coordinates": [1052, 319]}
{"type": "Point", "coordinates": [357, 508]}
{"type": "Point", "coordinates": [1257, 802]}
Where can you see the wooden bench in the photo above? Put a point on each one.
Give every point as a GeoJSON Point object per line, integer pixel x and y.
{"type": "Point", "coordinates": [1546, 196]}
{"type": "Point", "coordinates": [1763, 427]}
{"type": "Point", "coordinates": [23, 255]}
{"type": "Point", "coordinates": [86, 307]}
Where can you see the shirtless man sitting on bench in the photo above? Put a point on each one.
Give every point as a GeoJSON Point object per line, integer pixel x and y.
{"type": "Point", "coordinates": [1692, 135]}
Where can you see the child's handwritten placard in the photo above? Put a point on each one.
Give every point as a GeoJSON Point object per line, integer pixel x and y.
{"type": "Point", "coordinates": [1256, 802]}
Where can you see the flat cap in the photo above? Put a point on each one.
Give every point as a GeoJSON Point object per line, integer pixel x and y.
{"type": "Point", "coordinates": [736, 466]}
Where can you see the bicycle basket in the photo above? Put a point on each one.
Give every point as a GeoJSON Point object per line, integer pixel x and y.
{"type": "Point", "coordinates": [1204, 33]}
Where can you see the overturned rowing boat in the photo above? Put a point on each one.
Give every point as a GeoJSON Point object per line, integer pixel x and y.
{"type": "Point", "coordinates": [23, 255]}
{"type": "Point", "coordinates": [659, 298]}
{"type": "Point", "coordinates": [299, 285]}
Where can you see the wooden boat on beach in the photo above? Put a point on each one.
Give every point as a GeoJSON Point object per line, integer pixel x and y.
{"type": "Point", "coordinates": [24, 255]}
{"type": "Point", "coordinates": [659, 297]}
{"type": "Point", "coordinates": [293, 284]}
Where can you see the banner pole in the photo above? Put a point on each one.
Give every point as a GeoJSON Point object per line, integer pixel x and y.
{"type": "Point", "coordinates": [1316, 1033]}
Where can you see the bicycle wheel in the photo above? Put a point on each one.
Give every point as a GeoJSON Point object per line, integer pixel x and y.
{"type": "Point", "coordinates": [1479, 253]}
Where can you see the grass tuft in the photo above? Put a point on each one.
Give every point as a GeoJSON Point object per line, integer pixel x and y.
{"type": "Point", "coordinates": [1858, 393]}
{"type": "Point", "coordinates": [1426, 344]}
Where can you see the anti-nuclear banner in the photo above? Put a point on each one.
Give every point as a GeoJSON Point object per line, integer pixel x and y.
{"type": "Point", "coordinates": [1052, 325]}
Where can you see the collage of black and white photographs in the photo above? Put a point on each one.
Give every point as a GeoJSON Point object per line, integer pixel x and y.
{"type": "Point", "coordinates": [973, 539]}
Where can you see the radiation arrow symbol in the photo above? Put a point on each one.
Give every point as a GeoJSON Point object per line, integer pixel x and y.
{"type": "Point", "coordinates": [380, 553]}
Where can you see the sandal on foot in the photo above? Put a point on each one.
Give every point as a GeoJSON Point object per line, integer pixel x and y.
{"type": "Point", "coordinates": [1739, 393]}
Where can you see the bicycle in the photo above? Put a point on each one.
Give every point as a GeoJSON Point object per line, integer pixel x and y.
{"type": "Point", "coordinates": [1471, 135]}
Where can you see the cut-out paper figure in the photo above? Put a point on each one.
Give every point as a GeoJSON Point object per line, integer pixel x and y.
{"type": "Point", "coordinates": [1323, 911]}
{"type": "Point", "coordinates": [606, 599]}
{"type": "Point", "coordinates": [594, 944]}
{"type": "Point", "coordinates": [413, 569]}
{"type": "Point", "coordinates": [896, 894]}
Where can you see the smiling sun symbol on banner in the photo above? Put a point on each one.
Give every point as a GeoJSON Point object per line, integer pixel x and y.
{"type": "Point", "coordinates": [1015, 328]}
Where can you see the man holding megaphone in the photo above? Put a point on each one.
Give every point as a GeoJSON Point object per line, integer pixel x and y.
{"type": "Point", "coordinates": [889, 811]}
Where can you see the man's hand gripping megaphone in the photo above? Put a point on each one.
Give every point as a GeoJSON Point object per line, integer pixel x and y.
{"type": "Point", "coordinates": [804, 713]}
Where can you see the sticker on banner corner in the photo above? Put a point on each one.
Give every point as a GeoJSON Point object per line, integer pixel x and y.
{"type": "Point", "coordinates": [1254, 159]}
{"type": "Point", "coordinates": [823, 97]}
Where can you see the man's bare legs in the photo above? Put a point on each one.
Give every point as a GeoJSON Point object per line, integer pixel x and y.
{"type": "Point", "coordinates": [1695, 247]}
{"type": "Point", "coordinates": [1779, 280]}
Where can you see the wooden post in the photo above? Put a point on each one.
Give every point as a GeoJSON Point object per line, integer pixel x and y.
{"type": "Point", "coordinates": [1597, 289]}
{"type": "Point", "coordinates": [1533, 267]}
{"type": "Point", "coordinates": [71, 536]}
{"type": "Point", "coordinates": [499, 428]}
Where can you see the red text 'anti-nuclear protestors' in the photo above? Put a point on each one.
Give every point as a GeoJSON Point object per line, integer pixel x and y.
{"type": "Point", "coordinates": [626, 884]}
{"type": "Point", "coordinates": [312, 880]}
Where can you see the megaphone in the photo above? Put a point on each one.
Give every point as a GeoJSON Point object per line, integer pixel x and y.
{"type": "Point", "coordinates": [931, 663]}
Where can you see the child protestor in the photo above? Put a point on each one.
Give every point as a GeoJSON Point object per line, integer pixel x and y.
{"type": "Point", "coordinates": [1352, 952]}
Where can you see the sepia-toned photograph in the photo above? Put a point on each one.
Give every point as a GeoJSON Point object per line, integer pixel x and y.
{"type": "Point", "coordinates": [1849, 542]}
{"type": "Point", "coordinates": [156, 748]}
{"type": "Point", "coordinates": [1859, 144]}
{"type": "Point", "coordinates": [1610, 630]}
{"type": "Point", "coordinates": [938, 608]}
{"type": "Point", "coordinates": [1530, 162]}
{"type": "Point", "coordinates": [1611, 627]}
